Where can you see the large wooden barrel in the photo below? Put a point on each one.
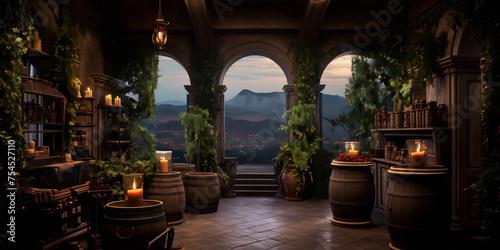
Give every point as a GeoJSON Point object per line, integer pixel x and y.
{"type": "Point", "coordinates": [184, 168]}
{"type": "Point", "coordinates": [352, 194]}
{"type": "Point", "coordinates": [417, 211]}
{"type": "Point", "coordinates": [168, 188]}
{"type": "Point", "coordinates": [132, 227]}
{"type": "Point", "coordinates": [202, 192]}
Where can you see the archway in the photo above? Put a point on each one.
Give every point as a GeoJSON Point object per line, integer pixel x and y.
{"type": "Point", "coordinates": [170, 102]}
{"type": "Point", "coordinates": [335, 77]}
{"type": "Point", "coordinates": [254, 105]}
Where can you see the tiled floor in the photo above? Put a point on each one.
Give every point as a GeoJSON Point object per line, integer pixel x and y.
{"type": "Point", "coordinates": [271, 223]}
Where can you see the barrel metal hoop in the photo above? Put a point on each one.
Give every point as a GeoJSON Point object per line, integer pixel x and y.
{"type": "Point", "coordinates": [163, 194]}
{"type": "Point", "coordinates": [205, 185]}
{"type": "Point", "coordinates": [350, 202]}
{"type": "Point", "coordinates": [351, 180]}
{"type": "Point", "coordinates": [412, 195]}
{"type": "Point", "coordinates": [140, 221]}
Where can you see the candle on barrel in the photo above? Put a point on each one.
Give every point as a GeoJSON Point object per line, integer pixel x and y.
{"type": "Point", "coordinates": [118, 101]}
{"type": "Point", "coordinates": [32, 145]}
{"type": "Point", "coordinates": [417, 158]}
{"type": "Point", "coordinates": [163, 165]}
{"type": "Point", "coordinates": [352, 152]}
{"type": "Point", "coordinates": [134, 196]}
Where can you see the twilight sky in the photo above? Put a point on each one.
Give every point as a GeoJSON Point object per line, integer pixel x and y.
{"type": "Point", "coordinates": [257, 73]}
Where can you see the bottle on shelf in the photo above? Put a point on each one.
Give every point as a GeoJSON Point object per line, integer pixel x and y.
{"type": "Point", "coordinates": [62, 213]}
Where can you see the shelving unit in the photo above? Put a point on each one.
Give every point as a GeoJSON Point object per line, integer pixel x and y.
{"type": "Point", "coordinates": [85, 129]}
{"type": "Point", "coordinates": [43, 114]}
{"type": "Point", "coordinates": [113, 143]}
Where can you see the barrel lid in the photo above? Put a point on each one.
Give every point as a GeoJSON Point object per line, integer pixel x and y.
{"type": "Point", "coordinates": [168, 173]}
{"type": "Point", "coordinates": [146, 204]}
{"type": "Point", "coordinates": [430, 170]}
{"type": "Point", "coordinates": [200, 174]}
{"type": "Point", "coordinates": [351, 164]}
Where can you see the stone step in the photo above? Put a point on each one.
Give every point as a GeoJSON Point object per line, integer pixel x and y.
{"type": "Point", "coordinates": [255, 176]}
{"type": "Point", "coordinates": [260, 193]}
{"type": "Point", "coordinates": [271, 187]}
{"type": "Point", "coordinates": [255, 181]}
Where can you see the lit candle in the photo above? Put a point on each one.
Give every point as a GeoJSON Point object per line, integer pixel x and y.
{"type": "Point", "coordinates": [32, 145]}
{"type": "Point", "coordinates": [134, 196]}
{"type": "Point", "coordinates": [118, 101]}
{"type": "Point", "coordinates": [108, 100]}
{"type": "Point", "coordinates": [352, 152]}
{"type": "Point", "coordinates": [31, 151]}
{"type": "Point", "coordinates": [417, 158]}
{"type": "Point", "coordinates": [87, 93]}
{"type": "Point", "coordinates": [163, 165]}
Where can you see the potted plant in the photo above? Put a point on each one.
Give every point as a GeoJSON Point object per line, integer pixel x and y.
{"type": "Point", "coordinates": [296, 156]}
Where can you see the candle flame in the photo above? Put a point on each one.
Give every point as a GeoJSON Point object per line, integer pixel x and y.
{"type": "Point", "coordinates": [418, 148]}
{"type": "Point", "coordinates": [88, 88]}
{"type": "Point", "coordinates": [352, 146]}
{"type": "Point", "coordinates": [134, 187]}
{"type": "Point", "coordinates": [162, 158]}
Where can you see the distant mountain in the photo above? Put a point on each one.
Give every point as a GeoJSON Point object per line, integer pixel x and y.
{"type": "Point", "coordinates": [248, 100]}
{"type": "Point", "coordinates": [333, 105]}
{"type": "Point", "coordinates": [172, 102]}
{"type": "Point", "coordinates": [166, 112]}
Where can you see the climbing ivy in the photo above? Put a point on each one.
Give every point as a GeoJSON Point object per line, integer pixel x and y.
{"type": "Point", "coordinates": [200, 139]}
{"type": "Point", "coordinates": [481, 17]}
{"type": "Point", "coordinates": [16, 27]}
{"type": "Point", "coordinates": [205, 69]}
{"type": "Point", "coordinates": [65, 69]}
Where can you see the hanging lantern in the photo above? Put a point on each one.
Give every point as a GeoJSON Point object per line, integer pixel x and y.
{"type": "Point", "coordinates": [159, 36]}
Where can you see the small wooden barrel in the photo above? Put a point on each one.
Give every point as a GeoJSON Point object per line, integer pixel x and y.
{"type": "Point", "coordinates": [418, 209]}
{"type": "Point", "coordinates": [132, 227]}
{"type": "Point", "coordinates": [184, 168]}
{"type": "Point", "coordinates": [351, 193]}
{"type": "Point", "coordinates": [202, 192]}
{"type": "Point", "coordinates": [168, 188]}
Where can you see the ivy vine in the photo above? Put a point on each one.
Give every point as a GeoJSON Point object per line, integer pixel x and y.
{"type": "Point", "coordinates": [200, 139]}
{"type": "Point", "coordinates": [16, 27]}
{"type": "Point", "coordinates": [66, 54]}
{"type": "Point", "coordinates": [481, 17]}
{"type": "Point", "coordinates": [205, 69]}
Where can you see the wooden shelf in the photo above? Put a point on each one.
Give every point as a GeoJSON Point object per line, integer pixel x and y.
{"type": "Point", "coordinates": [85, 113]}
{"type": "Point", "coordinates": [387, 161]}
{"type": "Point", "coordinates": [84, 126]}
{"type": "Point", "coordinates": [45, 123]}
{"type": "Point", "coordinates": [44, 131]}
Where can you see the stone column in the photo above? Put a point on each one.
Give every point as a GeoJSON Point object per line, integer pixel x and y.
{"type": "Point", "coordinates": [220, 122]}
{"type": "Point", "coordinates": [291, 100]}
{"type": "Point", "coordinates": [319, 110]}
{"type": "Point", "coordinates": [191, 95]}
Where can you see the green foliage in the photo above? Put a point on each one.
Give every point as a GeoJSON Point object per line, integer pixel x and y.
{"type": "Point", "coordinates": [481, 17]}
{"type": "Point", "coordinates": [138, 68]}
{"type": "Point", "coordinates": [115, 170]}
{"type": "Point", "coordinates": [206, 67]}
{"type": "Point", "coordinates": [16, 27]}
{"type": "Point", "coordinates": [306, 64]}
{"type": "Point", "coordinates": [200, 139]}
{"type": "Point", "coordinates": [66, 54]}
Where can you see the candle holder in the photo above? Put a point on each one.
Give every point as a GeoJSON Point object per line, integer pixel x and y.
{"type": "Point", "coordinates": [167, 156]}
{"type": "Point", "coordinates": [133, 186]}
{"type": "Point", "coordinates": [352, 148]}
{"type": "Point", "coordinates": [417, 153]}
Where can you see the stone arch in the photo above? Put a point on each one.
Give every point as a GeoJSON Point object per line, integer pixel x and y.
{"type": "Point", "coordinates": [332, 54]}
{"type": "Point", "coordinates": [179, 56]}
{"type": "Point", "coordinates": [272, 52]}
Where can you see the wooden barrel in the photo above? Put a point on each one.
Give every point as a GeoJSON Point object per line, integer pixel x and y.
{"type": "Point", "coordinates": [168, 188]}
{"type": "Point", "coordinates": [132, 227]}
{"type": "Point", "coordinates": [417, 211]}
{"type": "Point", "coordinates": [202, 192]}
{"type": "Point", "coordinates": [352, 194]}
{"type": "Point", "coordinates": [184, 168]}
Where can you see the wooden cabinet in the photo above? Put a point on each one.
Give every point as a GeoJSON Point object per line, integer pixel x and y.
{"type": "Point", "coordinates": [43, 114]}
{"type": "Point", "coordinates": [114, 142]}
{"type": "Point", "coordinates": [439, 144]}
{"type": "Point", "coordinates": [85, 130]}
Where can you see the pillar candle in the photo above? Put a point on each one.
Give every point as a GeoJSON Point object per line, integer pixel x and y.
{"type": "Point", "coordinates": [163, 165]}
{"type": "Point", "coordinates": [87, 93]}
{"type": "Point", "coordinates": [118, 101]}
{"type": "Point", "coordinates": [32, 144]}
{"type": "Point", "coordinates": [417, 159]}
{"type": "Point", "coordinates": [353, 153]}
{"type": "Point", "coordinates": [134, 196]}
{"type": "Point", "coordinates": [107, 100]}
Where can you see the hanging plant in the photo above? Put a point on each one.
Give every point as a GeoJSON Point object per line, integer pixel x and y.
{"type": "Point", "coordinates": [66, 54]}
{"type": "Point", "coordinates": [16, 27]}
{"type": "Point", "coordinates": [200, 139]}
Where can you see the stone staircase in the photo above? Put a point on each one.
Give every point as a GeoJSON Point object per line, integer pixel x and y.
{"type": "Point", "coordinates": [255, 184]}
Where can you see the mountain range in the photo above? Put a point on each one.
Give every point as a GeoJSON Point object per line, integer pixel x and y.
{"type": "Point", "coordinates": [253, 107]}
